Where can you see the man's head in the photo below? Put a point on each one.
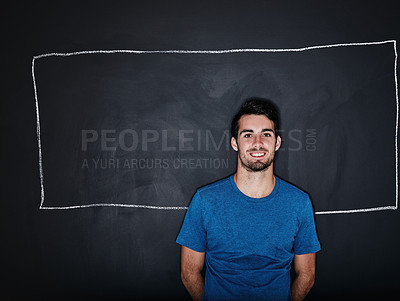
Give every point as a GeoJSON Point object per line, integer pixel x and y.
{"type": "Point", "coordinates": [254, 134]}
{"type": "Point", "coordinates": [256, 106]}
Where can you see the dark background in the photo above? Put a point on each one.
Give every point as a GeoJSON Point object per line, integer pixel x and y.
{"type": "Point", "coordinates": [346, 94]}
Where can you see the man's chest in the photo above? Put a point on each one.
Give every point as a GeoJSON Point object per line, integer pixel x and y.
{"type": "Point", "coordinates": [260, 230]}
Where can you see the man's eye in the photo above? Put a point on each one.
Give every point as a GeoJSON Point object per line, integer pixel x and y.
{"type": "Point", "coordinates": [247, 135]}
{"type": "Point", "coordinates": [267, 135]}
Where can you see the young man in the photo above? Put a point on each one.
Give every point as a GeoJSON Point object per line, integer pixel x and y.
{"type": "Point", "coordinates": [249, 227]}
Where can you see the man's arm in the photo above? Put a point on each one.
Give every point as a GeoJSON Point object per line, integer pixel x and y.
{"type": "Point", "coordinates": [304, 268]}
{"type": "Point", "coordinates": [192, 263]}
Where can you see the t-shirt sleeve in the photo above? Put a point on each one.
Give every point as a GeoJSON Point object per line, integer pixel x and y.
{"type": "Point", "coordinates": [193, 233]}
{"type": "Point", "coordinates": [306, 240]}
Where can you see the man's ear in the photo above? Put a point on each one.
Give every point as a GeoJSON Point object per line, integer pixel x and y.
{"type": "Point", "coordinates": [234, 144]}
{"type": "Point", "coordinates": [278, 142]}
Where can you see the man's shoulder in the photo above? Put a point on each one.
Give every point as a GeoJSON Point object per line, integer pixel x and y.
{"type": "Point", "coordinates": [290, 189]}
{"type": "Point", "coordinates": [215, 187]}
{"type": "Point", "coordinates": [293, 198]}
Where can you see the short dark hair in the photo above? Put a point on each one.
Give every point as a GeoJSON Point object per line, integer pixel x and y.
{"type": "Point", "coordinates": [256, 106]}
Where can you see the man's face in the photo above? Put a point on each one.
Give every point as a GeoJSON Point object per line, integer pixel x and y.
{"type": "Point", "coordinates": [256, 143]}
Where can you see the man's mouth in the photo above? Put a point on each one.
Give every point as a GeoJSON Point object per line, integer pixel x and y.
{"type": "Point", "coordinates": [257, 154]}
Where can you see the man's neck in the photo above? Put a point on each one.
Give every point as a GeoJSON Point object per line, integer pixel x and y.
{"type": "Point", "coordinates": [257, 184]}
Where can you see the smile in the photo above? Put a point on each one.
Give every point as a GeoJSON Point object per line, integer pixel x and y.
{"type": "Point", "coordinates": [257, 155]}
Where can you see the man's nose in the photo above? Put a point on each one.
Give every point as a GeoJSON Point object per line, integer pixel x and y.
{"type": "Point", "coordinates": [257, 140]}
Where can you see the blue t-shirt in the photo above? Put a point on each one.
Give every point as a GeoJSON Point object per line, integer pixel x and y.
{"type": "Point", "coordinates": [249, 242]}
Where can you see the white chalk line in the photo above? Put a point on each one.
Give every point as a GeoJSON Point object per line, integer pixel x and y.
{"type": "Point", "coordinates": [226, 51]}
{"type": "Point", "coordinates": [114, 205]}
{"type": "Point", "coordinates": [185, 208]}
{"type": "Point", "coordinates": [397, 123]}
{"type": "Point", "coordinates": [363, 210]}
{"type": "Point", "coordinates": [38, 136]}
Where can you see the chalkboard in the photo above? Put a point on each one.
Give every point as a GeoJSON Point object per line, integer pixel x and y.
{"type": "Point", "coordinates": [117, 113]}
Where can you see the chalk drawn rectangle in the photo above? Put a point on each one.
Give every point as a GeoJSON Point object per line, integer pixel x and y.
{"type": "Point", "coordinates": [210, 52]}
